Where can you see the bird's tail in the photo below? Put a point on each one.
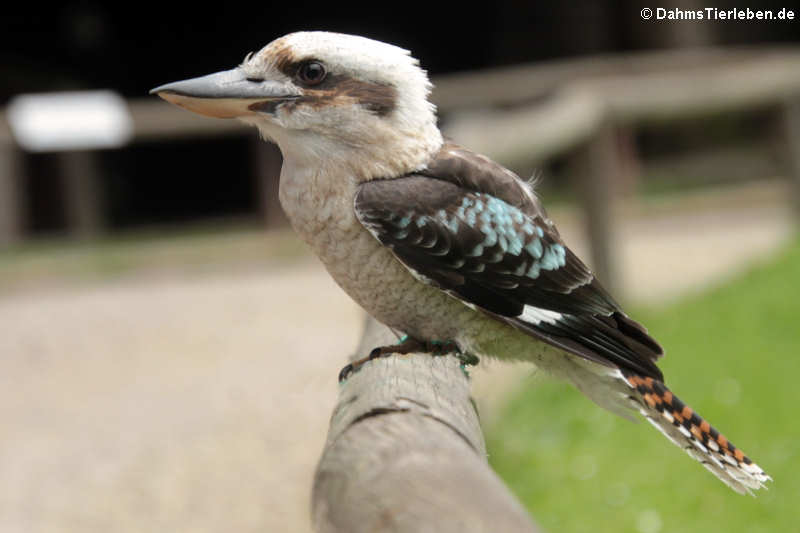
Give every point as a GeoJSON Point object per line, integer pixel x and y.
{"type": "Point", "coordinates": [683, 426]}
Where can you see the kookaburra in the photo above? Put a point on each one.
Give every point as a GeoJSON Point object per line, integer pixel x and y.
{"type": "Point", "coordinates": [437, 241]}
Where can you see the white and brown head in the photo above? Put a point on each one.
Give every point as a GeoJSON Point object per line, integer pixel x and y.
{"type": "Point", "coordinates": [326, 99]}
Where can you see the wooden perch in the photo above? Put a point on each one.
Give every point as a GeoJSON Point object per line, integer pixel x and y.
{"type": "Point", "coordinates": [405, 452]}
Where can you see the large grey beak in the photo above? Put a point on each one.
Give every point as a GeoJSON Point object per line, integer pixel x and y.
{"type": "Point", "coordinates": [226, 94]}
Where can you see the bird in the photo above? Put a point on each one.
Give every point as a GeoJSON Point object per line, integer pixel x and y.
{"type": "Point", "coordinates": [435, 240]}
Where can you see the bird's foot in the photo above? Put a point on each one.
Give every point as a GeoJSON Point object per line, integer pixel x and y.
{"type": "Point", "coordinates": [406, 345]}
{"type": "Point", "coordinates": [447, 347]}
{"type": "Point", "coordinates": [442, 348]}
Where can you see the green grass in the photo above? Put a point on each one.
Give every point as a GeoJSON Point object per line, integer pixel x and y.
{"type": "Point", "coordinates": [734, 355]}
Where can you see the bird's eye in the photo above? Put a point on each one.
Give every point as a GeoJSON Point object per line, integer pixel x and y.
{"type": "Point", "coordinates": [312, 73]}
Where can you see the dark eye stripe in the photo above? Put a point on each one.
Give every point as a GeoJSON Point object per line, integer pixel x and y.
{"type": "Point", "coordinates": [379, 98]}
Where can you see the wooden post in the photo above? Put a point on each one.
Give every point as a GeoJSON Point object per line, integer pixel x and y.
{"type": "Point", "coordinates": [595, 168]}
{"type": "Point", "coordinates": [630, 172]}
{"type": "Point", "coordinates": [84, 196]}
{"type": "Point", "coordinates": [790, 111]}
{"type": "Point", "coordinates": [12, 198]}
{"type": "Point", "coordinates": [268, 161]}
{"type": "Point", "coordinates": [405, 453]}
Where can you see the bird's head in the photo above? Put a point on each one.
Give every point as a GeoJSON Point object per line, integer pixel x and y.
{"type": "Point", "coordinates": [326, 99]}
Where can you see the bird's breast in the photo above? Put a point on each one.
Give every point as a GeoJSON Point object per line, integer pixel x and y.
{"type": "Point", "coordinates": [322, 214]}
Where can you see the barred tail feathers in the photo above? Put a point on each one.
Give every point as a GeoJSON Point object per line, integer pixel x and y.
{"type": "Point", "coordinates": [683, 426]}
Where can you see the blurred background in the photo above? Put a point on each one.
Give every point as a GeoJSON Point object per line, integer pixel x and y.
{"type": "Point", "coordinates": [169, 350]}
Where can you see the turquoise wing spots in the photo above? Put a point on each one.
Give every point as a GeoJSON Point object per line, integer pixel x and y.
{"type": "Point", "coordinates": [494, 254]}
{"type": "Point", "coordinates": [504, 230]}
{"type": "Point", "coordinates": [534, 247]}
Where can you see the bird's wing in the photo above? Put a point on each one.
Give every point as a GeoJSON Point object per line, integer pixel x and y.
{"type": "Point", "coordinates": [498, 252]}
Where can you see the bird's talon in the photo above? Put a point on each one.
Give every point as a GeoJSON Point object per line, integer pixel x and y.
{"type": "Point", "coordinates": [468, 359]}
{"type": "Point", "coordinates": [436, 347]}
{"type": "Point", "coordinates": [355, 366]}
{"type": "Point", "coordinates": [452, 347]}
{"type": "Point", "coordinates": [345, 372]}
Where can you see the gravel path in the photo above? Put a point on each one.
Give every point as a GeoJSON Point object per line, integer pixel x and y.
{"type": "Point", "coordinates": [202, 404]}
{"type": "Point", "coordinates": [192, 405]}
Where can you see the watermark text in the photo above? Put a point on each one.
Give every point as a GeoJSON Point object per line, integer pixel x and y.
{"type": "Point", "coordinates": [714, 13]}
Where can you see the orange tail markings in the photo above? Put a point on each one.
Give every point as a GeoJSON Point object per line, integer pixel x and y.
{"type": "Point", "coordinates": [683, 426]}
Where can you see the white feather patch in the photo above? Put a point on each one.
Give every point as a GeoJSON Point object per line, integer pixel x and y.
{"type": "Point", "coordinates": [537, 315]}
